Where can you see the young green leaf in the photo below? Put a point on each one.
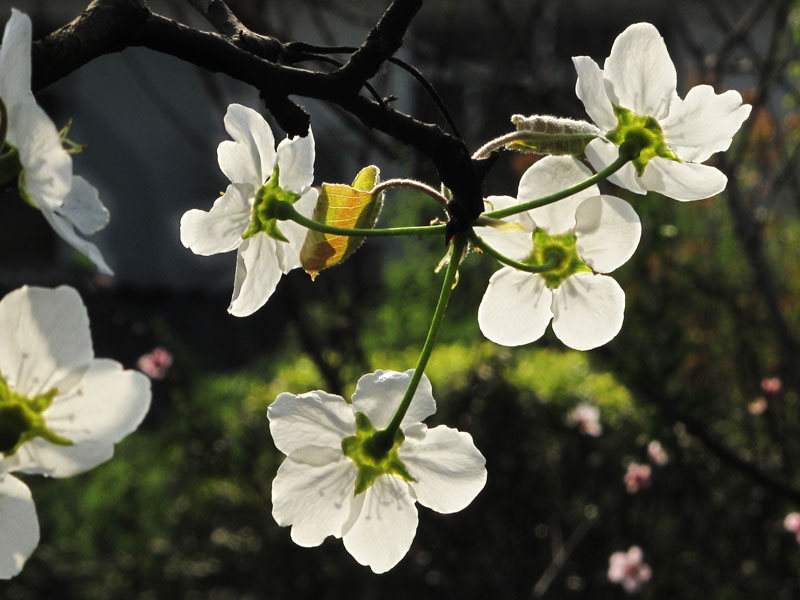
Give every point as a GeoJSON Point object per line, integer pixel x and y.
{"type": "Point", "coordinates": [345, 206]}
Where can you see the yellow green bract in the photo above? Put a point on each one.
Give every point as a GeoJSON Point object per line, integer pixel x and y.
{"type": "Point", "coordinates": [642, 132]}
{"type": "Point", "coordinates": [561, 248]}
{"type": "Point", "coordinates": [21, 419]}
{"type": "Point", "coordinates": [373, 463]}
{"type": "Point", "coordinates": [263, 217]}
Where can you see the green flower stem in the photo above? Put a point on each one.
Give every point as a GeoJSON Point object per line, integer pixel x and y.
{"type": "Point", "coordinates": [551, 263]}
{"type": "Point", "coordinates": [411, 183]}
{"type": "Point", "coordinates": [385, 438]}
{"type": "Point", "coordinates": [498, 143]}
{"type": "Point", "coordinates": [288, 213]}
{"type": "Point", "coordinates": [623, 159]}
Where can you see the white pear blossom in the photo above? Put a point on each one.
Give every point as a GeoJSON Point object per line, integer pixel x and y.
{"type": "Point", "coordinates": [250, 161]}
{"type": "Point", "coordinates": [590, 234]}
{"type": "Point", "coordinates": [67, 202]}
{"type": "Point", "coordinates": [635, 93]}
{"type": "Point", "coordinates": [315, 490]}
{"type": "Point", "coordinates": [61, 409]}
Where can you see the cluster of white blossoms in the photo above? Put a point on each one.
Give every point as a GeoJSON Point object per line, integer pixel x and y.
{"type": "Point", "coordinates": [34, 153]}
{"type": "Point", "coordinates": [61, 409]}
{"type": "Point", "coordinates": [634, 102]}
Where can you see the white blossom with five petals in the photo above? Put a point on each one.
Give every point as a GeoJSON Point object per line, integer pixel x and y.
{"type": "Point", "coordinates": [639, 76]}
{"type": "Point", "coordinates": [69, 203]}
{"type": "Point", "coordinates": [61, 409]}
{"type": "Point", "coordinates": [314, 490]}
{"type": "Point", "coordinates": [586, 307]}
{"type": "Point", "coordinates": [249, 160]}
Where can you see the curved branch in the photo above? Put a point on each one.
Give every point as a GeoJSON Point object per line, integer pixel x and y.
{"type": "Point", "coordinates": [109, 26]}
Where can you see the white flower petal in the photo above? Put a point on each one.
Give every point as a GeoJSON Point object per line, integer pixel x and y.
{"type": "Point", "coordinates": [47, 176]}
{"type": "Point", "coordinates": [640, 72]}
{"type": "Point", "coordinates": [683, 181]}
{"type": "Point", "coordinates": [250, 157]}
{"type": "Point", "coordinates": [257, 275]}
{"type": "Point", "coordinates": [591, 90]}
{"type": "Point", "coordinates": [514, 240]}
{"type": "Point", "coordinates": [312, 419]}
{"type": "Point", "coordinates": [44, 337]}
{"type": "Point", "coordinates": [608, 232]}
{"type": "Point", "coordinates": [602, 153]}
{"type": "Point", "coordinates": [296, 163]}
{"type": "Point", "coordinates": [288, 255]}
{"type": "Point", "coordinates": [549, 175]}
{"type": "Point", "coordinates": [703, 123]}
{"type": "Point", "coordinates": [19, 527]}
{"type": "Point", "coordinates": [15, 60]}
{"type": "Point", "coordinates": [221, 228]}
{"type": "Point", "coordinates": [588, 310]}
{"type": "Point", "coordinates": [313, 492]}
{"type": "Point", "coordinates": [379, 394]}
{"type": "Point", "coordinates": [105, 405]}
{"type": "Point", "coordinates": [66, 230]}
{"type": "Point", "coordinates": [515, 309]}
{"type": "Point", "coordinates": [83, 208]}
{"type": "Point", "coordinates": [385, 528]}
{"type": "Point", "coordinates": [449, 469]}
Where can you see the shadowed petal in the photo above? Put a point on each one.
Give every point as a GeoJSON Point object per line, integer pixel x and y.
{"type": "Point", "coordinates": [683, 181]}
{"type": "Point", "coordinates": [608, 232]}
{"type": "Point", "coordinates": [379, 394]}
{"type": "Point", "coordinates": [591, 90]}
{"type": "Point", "coordinates": [385, 528]}
{"type": "Point", "coordinates": [449, 469]}
{"type": "Point", "coordinates": [296, 163]}
{"type": "Point", "coordinates": [640, 73]}
{"type": "Point", "coordinates": [588, 310]}
{"type": "Point", "coordinates": [221, 228]}
{"type": "Point", "coordinates": [515, 239]}
{"type": "Point", "coordinates": [44, 337]}
{"type": "Point", "coordinates": [311, 419]}
{"type": "Point", "coordinates": [313, 492]}
{"type": "Point", "coordinates": [704, 123]}
{"type": "Point", "coordinates": [257, 275]}
{"type": "Point", "coordinates": [19, 527]}
{"type": "Point", "coordinates": [250, 157]}
{"type": "Point", "coordinates": [549, 175]}
{"type": "Point", "coordinates": [515, 309]}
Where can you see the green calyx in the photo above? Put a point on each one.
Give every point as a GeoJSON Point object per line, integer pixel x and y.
{"type": "Point", "coordinates": [268, 209]}
{"type": "Point", "coordinates": [639, 137]}
{"type": "Point", "coordinates": [558, 249]}
{"type": "Point", "coordinates": [21, 419]}
{"type": "Point", "coordinates": [373, 454]}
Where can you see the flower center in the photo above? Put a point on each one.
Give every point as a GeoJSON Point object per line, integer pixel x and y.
{"type": "Point", "coordinates": [266, 208]}
{"type": "Point", "coordinates": [21, 419]}
{"type": "Point", "coordinates": [368, 450]}
{"type": "Point", "coordinates": [560, 249]}
{"type": "Point", "coordinates": [641, 136]}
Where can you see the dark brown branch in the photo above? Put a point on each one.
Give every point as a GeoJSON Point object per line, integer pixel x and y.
{"type": "Point", "coordinates": [382, 42]}
{"type": "Point", "coordinates": [223, 20]}
{"type": "Point", "coordinates": [108, 26]}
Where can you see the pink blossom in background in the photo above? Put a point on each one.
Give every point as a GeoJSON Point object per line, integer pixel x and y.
{"type": "Point", "coordinates": [637, 477]}
{"type": "Point", "coordinates": [656, 453]}
{"type": "Point", "coordinates": [792, 524]}
{"type": "Point", "coordinates": [771, 385]}
{"type": "Point", "coordinates": [155, 364]}
{"type": "Point", "coordinates": [587, 419]}
{"type": "Point", "coordinates": [629, 569]}
{"type": "Point", "coordinates": [757, 406]}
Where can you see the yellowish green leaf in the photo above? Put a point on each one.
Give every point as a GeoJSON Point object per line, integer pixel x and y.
{"type": "Point", "coordinates": [344, 206]}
